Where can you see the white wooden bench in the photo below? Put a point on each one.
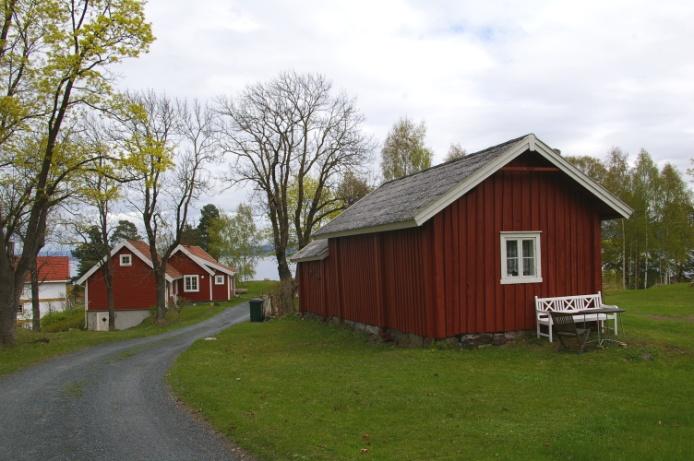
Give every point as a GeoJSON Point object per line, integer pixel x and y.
{"type": "Point", "coordinates": [569, 304]}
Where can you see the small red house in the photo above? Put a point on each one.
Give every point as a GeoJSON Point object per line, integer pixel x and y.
{"type": "Point", "coordinates": [204, 278]}
{"type": "Point", "coordinates": [134, 284]}
{"type": "Point", "coordinates": [463, 247]}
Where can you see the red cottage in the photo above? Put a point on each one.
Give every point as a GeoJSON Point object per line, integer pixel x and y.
{"type": "Point", "coordinates": [463, 247]}
{"type": "Point", "coordinates": [134, 287]}
{"type": "Point", "coordinates": [204, 278]}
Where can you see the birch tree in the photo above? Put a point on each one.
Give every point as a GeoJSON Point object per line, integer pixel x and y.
{"type": "Point", "coordinates": [404, 151]}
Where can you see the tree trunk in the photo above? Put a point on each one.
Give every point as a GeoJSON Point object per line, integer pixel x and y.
{"type": "Point", "coordinates": [645, 265]}
{"type": "Point", "coordinates": [161, 294]}
{"type": "Point", "coordinates": [35, 304]}
{"type": "Point", "coordinates": [282, 265]}
{"type": "Point", "coordinates": [624, 257]}
{"type": "Point", "coordinates": [9, 300]}
{"type": "Point", "coordinates": [110, 303]}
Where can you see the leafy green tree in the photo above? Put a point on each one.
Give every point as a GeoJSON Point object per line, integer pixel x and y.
{"type": "Point", "coordinates": [125, 230]}
{"type": "Point", "coordinates": [591, 166]}
{"type": "Point", "coordinates": [404, 152]}
{"type": "Point", "coordinates": [54, 62]}
{"type": "Point", "coordinates": [90, 251]}
{"type": "Point", "coordinates": [455, 151]}
{"type": "Point", "coordinates": [235, 240]}
{"type": "Point", "coordinates": [351, 189]}
{"type": "Point", "coordinates": [645, 188]}
{"type": "Point", "coordinates": [189, 235]}
{"type": "Point", "coordinates": [675, 232]}
{"type": "Point", "coordinates": [208, 213]}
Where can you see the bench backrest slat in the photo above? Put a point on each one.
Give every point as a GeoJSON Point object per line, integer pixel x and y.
{"type": "Point", "coordinates": [568, 303]}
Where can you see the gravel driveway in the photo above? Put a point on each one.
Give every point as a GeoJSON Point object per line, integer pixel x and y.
{"type": "Point", "coordinates": [109, 402]}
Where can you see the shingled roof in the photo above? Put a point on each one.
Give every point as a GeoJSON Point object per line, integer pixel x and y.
{"type": "Point", "coordinates": [412, 200]}
{"type": "Point", "coordinates": [314, 251]}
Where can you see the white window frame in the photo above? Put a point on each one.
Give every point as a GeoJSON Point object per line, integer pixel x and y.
{"type": "Point", "coordinates": [219, 279]}
{"type": "Point", "coordinates": [520, 236]}
{"type": "Point", "coordinates": [197, 283]}
{"type": "Point", "coordinates": [129, 258]}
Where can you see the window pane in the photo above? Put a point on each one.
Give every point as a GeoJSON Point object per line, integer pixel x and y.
{"type": "Point", "coordinates": [512, 266]}
{"type": "Point", "coordinates": [528, 266]}
{"type": "Point", "coordinates": [511, 248]}
{"type": "Point", "coordinates": [528, 248]}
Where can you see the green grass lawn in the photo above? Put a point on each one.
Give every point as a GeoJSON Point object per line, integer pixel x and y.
{"type": "Point", "coordinates": [302, 389]}
{"type": "Point", "coordinates": [32, 347]}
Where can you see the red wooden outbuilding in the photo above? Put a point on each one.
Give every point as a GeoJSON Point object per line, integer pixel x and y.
{"type": "Point", "coordinates": [463, 247]}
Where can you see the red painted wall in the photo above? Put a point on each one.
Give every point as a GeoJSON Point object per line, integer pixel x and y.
{"type": "Point", "coordinates": [443, 278]}
{"type": "Point", "coordinates": [134, 286]}
{"type": "Point", "coordinates": [187, 266]}
{"type": "Point", "coordinates": [219, 292]}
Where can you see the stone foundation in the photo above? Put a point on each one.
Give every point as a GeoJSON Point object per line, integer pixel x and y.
{"type": "Point", "coordinates": [465, 341]}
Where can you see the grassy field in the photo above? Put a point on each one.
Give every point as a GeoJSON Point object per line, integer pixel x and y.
{"type": "Point", "coordinates": [301, 389]}
{"type": "Point", "coordinates": [34, 347]}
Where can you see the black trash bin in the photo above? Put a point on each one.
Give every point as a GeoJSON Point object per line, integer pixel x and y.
{"type": "Point", "coordinates": [257, 314]}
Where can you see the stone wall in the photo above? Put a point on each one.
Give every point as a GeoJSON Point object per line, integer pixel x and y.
{"type": "Point", "coordinates": [465, 341]}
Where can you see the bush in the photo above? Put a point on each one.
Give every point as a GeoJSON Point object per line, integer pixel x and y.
{"type": "Point", "coordinates": [63, 321]}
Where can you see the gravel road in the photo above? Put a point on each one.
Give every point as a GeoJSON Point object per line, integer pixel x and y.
{"type": "Point", "coordinates": [109, 402]}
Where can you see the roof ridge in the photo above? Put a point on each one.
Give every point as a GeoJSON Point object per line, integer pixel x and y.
{"type": "Point", "coordinates": [465, 157]}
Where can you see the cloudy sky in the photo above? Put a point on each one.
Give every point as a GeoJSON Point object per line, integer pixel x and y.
{"type": "Point", "coordinates": [584, 76]}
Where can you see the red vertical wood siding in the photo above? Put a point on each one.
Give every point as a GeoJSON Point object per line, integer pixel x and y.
{"type": "Point", "coordinates": [311, 287]}
{"type": "Point", "coordinates": [134, 286]}
{"type": "Point", "coordinates": [187, 266]}
{"type": "Point", "coordinates": [220, 292]}
{"type": "Point", "coordinates": [443, 278]}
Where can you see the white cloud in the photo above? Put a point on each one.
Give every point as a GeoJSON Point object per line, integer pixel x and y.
{"type": "Point", "coordinates": [584, 76]}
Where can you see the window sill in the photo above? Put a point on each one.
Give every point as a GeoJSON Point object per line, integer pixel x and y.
{"type": "Point", "coordinates": [519, 280]}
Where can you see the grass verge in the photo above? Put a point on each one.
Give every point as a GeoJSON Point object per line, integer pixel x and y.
{"type": "Point", "coordinates": [301, 389]}
{"type": "Point", "coordinates": [34, 347]}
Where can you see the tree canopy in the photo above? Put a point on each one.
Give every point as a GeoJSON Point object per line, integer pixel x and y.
{"type": "Point", "coordinates": [54, 61]}
{"type": "Point", "coordinates": [404, 151]}
{"type": "Point", "coordinates": [235, 239]}
{"type": "Point", "coordinates": [295, 132]}
{"type": "Point", "coordinates": [656, 244]}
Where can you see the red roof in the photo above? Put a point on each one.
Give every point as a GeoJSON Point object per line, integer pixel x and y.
{"type": "Point", "coordinates": [52, 268]}
{"type": "Point", "coordinates": [202, 254]}
{"type": "Point", "coordinates": [143, 248]}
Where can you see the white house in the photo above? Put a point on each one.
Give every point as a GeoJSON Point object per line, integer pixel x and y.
{"type": "Point", "coordinates": [53, 276]}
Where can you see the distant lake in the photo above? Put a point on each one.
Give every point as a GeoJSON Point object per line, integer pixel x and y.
{"type": "Point", "coordinates": [266, 268]}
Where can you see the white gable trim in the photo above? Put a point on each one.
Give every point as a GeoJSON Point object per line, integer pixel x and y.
{"type": "Point", "coordinates": [209, 266]}
{"type": "Point", "coordinates": [115, 251]}
{"type": "Point", "coordinates": [218, 267]}
{"type": "Point", "coordinates": [195, 259]}
{"type": "Point", "coordinates": [580, 177]}
{"type": "Point", "coordinates": [529, 143]}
